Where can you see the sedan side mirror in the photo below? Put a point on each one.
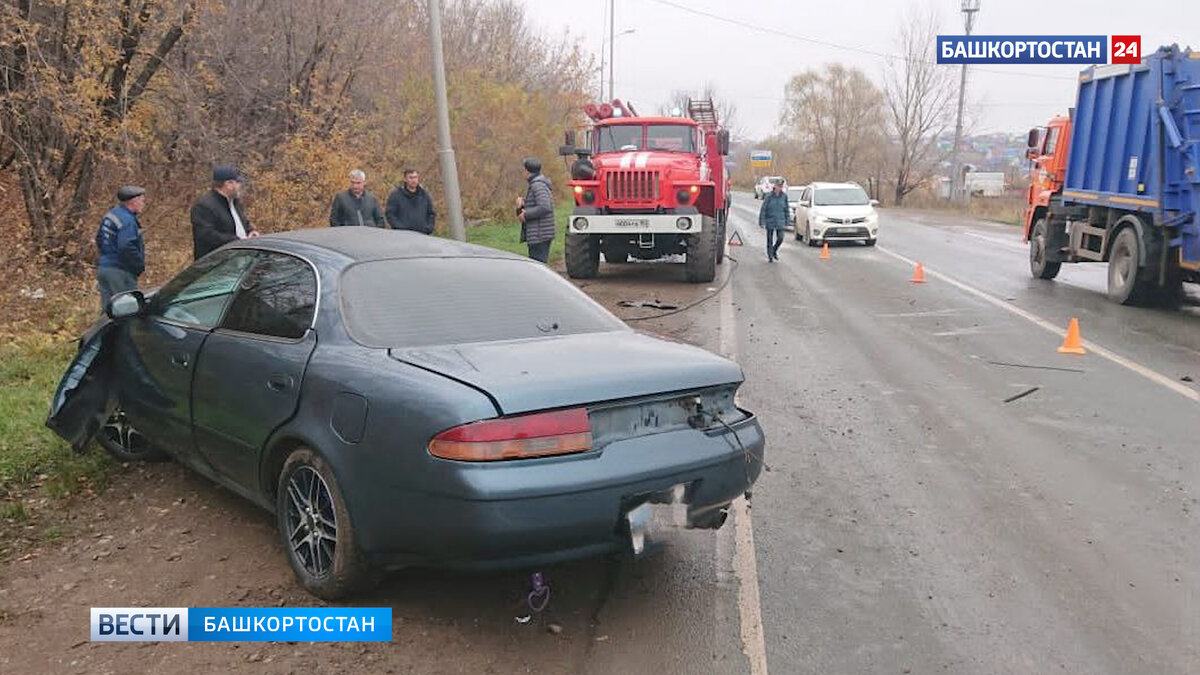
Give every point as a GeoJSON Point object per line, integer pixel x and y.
{"type": "Point", "coordinates": [125, 305]}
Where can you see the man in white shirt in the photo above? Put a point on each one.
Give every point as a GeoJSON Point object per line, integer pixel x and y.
{"type": "Point", "coordinates": [217, 216]}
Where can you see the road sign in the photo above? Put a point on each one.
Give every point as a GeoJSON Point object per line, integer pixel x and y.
{"type": "Point", "coordinates": [760, 158]}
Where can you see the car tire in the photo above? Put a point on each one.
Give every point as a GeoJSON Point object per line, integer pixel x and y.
{"type": "Point", "coordinates": [316, 530]}
{"type": "Point", "coordinates": [808, 238]}
{"type": "Point", "coordinates": [583, 255]}
{"type": "Point", "coordinates": [121, 440]}
{"type": "Point", "coordinates": [1039, 267]}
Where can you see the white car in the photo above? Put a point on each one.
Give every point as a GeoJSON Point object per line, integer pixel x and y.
{"type": "Point", "coordinates": [836, 212]}
{"type": "Point", "coordinates": [793, 195]}
{"type": "Point", "coordinates": [764, 184]}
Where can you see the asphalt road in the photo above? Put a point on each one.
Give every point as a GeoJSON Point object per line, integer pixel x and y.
{"type": "Point", "coordinates": [916, 522]}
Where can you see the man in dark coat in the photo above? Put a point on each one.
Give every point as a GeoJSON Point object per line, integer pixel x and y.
{"type": "Point", "coordinates": [410, 207]}
{"type": "Point", "coordinates": [773, 215]}
{"type": "Point", "coordinates": [356, 206]}
{"type": "Point", "coordinates": [536, 212]}
{"type": "Point", "coordinates": [119, 240]}
{"type": "Point", "coordinates": [218, 217]}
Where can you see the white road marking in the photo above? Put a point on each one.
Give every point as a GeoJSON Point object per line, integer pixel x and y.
{"type": "Point", "coordinates": [1010, 243]}
{"type": "Point", "coordinates": [1148, 373]}
{"type": "Point", "coordinates": [745, 564]}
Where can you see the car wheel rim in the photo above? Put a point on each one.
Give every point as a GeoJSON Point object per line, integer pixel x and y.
{"type": "Point", "coordinates": [119, 432]}
{"type": "Point", "coordinates": [311, 522]}
{"type": "Point", "coordinates": [1120, 265]}
{"type": "Point", "coordinates": [1037, 252]}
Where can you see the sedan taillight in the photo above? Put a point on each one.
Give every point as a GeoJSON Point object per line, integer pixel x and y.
{"type": "Point", "coordinates": [539, 435]}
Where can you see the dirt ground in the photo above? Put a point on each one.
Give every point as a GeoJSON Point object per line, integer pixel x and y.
{"type": "Point", "coordinates": [160, 535]}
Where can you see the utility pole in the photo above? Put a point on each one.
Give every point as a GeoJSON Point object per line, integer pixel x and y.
{"type": "Point", "coordinates": [612, 41]}
{"type": "Point", "coordinates": [969, 9]}
{"type": "Point", "coordinates": [445, 147]}
{"type": "Point", "coordinates": [602, 62]}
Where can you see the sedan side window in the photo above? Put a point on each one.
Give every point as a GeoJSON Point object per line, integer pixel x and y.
{"type": "Point", "coordinates": [199, 295]}
{"type": "Point", "coordinates": [277, 298]}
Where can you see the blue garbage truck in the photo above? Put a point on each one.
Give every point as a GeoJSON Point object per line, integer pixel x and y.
{"type": "Point", "coordinates": [1118, 180]}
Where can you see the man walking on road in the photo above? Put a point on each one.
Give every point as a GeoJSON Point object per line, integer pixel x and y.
{"type": "Point", "coordinates": [536, 212]}
{"type": "Point", "coordinates": [218, 217]}
{"type": "Point", "coordinates": [410, 207]}
{"type": "Point", "coordinates": [119, 240]}
{"type": "Point", "coordinates": [356, 206]}
{"type": "Point", "coordinates": [773, 216]}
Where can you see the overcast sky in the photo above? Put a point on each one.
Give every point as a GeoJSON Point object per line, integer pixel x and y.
{"type": "Point", "coordinates": [672, 48]}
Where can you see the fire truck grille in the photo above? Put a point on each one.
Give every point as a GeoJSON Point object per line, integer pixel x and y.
{"type": "Point", "coordinates": [632, 186]}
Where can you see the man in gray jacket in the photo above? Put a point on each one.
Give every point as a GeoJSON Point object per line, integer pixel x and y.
{"type": "Point", "coordinates": [536, 212]}
{"type": "Point", "coordinates": [356, 206]}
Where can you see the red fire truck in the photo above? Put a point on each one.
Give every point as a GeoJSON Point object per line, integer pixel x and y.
{"type": "Point", "coordinates": [648, 187]}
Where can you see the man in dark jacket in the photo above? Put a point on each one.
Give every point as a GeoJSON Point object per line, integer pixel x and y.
{"type": "Point", "coordinates": [218, 217]}
{"type": "Point", "coordinates": [356, 206]}
{"type": "Point", "coordinates": [773, 215]}
{"type": "Point", "coordinates": [119, 240]}
{"type": "Point", "coordinates": [536, 212]}
{"type": "Point", "coordinates": [410, 207]}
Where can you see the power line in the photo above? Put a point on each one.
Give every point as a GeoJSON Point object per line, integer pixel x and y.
{"type": "Point", "coordinates": [834, 45]}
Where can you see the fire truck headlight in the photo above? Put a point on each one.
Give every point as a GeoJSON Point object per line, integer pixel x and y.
{"type": "Point", "coordinates": [684, 223]}
{"type": "Point", "coordinates": [579, 224]}
{"type": "Point", "coordinates": [682, 196]}
{"type": "Point", "coordinates": [589, 196]}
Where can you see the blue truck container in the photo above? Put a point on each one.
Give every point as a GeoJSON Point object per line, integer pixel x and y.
{"type": "Point", "coordinates": [1134, 163]}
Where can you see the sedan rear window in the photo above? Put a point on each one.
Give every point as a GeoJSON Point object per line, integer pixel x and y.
{"type": "Point", "coordinates": [418, 302]}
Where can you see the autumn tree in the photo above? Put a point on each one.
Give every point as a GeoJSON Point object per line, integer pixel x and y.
{"type": "Point", "coordinates": [837, 114]}
{"type": "Point", "coordinates": [919, 96]}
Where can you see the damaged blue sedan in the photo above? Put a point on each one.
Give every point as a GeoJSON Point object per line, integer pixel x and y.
{"type": "Point", "coordinates": [399, 400]}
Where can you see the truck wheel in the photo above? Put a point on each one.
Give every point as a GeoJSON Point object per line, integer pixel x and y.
{"type": "Point", "coordinates": [721, 240]}
{"type": "Point", "coordinates": [701, 260]}
{"type": "Point", "coordinates": [583, 255]}
{"type": "Point", "coordinates": [1126, 282]}
{"type": "Point", "coordinates": [1038, 265]}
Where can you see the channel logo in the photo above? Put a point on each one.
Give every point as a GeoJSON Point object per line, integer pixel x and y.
{"type": "Point", "coordinates": [249, 624]}
{"type": "Point", "coordinates": [1038, 49]}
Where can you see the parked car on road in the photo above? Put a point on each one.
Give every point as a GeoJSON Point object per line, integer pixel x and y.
{"type": "Point", "coordinates": [763, 186]}
{"type": "Point", "coordinates": [836, 212]}
{"type": "Point", "coordinates": [397, 400]}
{"type": "Point", "coordinates": [793, 195]}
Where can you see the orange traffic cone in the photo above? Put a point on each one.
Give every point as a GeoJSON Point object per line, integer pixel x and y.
{"type": "Point", "coordinates": [825, 251]}
{"type": "Point", "coordinates": [1072, 343]}
{"type": "Point", "coordinates": [918, 274]}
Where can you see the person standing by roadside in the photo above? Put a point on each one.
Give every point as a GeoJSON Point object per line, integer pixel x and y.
{"type": "Point", "coordinates": [119, 241]}
{"type": "Point", "coordinates": [536, 212]}
{"type": "Point", "coordinates": [218, 217]}
{"type": "Point", "coordinates": [356, 206]}
{"type": "Point", "coordinates": [773, 216]}
{"type": "Point", "coordinates": [410, 207]}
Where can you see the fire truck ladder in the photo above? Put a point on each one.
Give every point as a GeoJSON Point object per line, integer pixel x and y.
{"type": "Point", "coordinates": [702, 111]}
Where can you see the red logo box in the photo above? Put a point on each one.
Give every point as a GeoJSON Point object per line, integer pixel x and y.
{"type": "Point", "coordinates": [1126, 49]}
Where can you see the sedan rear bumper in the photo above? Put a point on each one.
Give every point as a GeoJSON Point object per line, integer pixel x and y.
{"type": "Point", "coordinates": [535, 512]}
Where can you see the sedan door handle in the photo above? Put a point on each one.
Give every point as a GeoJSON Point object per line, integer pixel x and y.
{"type": "Point", "coordinates": [280, 382]}
{"type": "Point", "coordinates": [180, 360]}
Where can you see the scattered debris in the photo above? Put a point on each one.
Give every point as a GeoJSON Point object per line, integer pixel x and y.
{"type": "Point", "coordinates": [554, 628]}
{"type": "Point", "coordinates": [1035, 367]}
{"type": "Point", "coordinates": [1021, 395]}
{"type": "Point", "coordinates": [36, 294]}
{"type": "Point", "coordinates": [656, 304]}
{"type": "Point", "coordinates": [1186, 378]}
{"type": "Point", "coordinates": [539, 594]}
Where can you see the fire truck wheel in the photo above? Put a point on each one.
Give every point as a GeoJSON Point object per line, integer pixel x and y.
{"type": "Point", "coordinates": [701, 261]}
{"type": "Point", "coordinates": [583, 256]}
{"type": "Point", "coordinates": [721, 239]}
{"type": "Point", "coordinates": [1038, 266]}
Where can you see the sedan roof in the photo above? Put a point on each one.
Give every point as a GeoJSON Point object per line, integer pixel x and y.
{"type": "Point", "coordinates": [373, 243]}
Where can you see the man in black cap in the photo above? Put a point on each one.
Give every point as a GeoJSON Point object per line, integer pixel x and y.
{"type": "Point", "coordinates": [218, 217]}
{"type": "Point", "coordinates": [119, 240]}
{"type": "Point", "coordinates": [536, 211]}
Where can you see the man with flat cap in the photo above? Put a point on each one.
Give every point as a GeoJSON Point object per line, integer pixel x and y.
{"type": "Point", "coordinates": [119, 240]}
{"type": "Point", "coordinates": [218, 217]}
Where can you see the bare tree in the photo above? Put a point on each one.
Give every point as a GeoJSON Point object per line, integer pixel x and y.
{"type": "Point", "coordinates": [919, 96]}
{"type": "Point", "coordinates": [837, 114]}
{"type": "Point", "coordinates": [726, 108]}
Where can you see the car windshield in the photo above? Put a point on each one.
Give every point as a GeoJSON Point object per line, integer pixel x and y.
{"type": "Point", "coordinates": [388, 304]}
{"type": "Point", "coordinates": [842, 196]}
{"type": "Point", "coordinates": [672, 137]}
{"type": "Point", "coordinates": [618, 137]}
{"type": "Point", "coordinates": [794, 193]}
